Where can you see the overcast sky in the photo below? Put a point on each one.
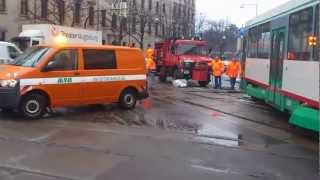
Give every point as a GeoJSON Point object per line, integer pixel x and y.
{"type": "Point", "coordinates": [223, 9]}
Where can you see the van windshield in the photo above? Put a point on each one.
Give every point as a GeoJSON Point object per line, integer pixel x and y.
{"type": "Point", "coordinates": [31, 57]}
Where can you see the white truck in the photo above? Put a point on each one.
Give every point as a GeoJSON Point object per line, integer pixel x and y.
{"type": "Point", "coordinates": [37, 34]}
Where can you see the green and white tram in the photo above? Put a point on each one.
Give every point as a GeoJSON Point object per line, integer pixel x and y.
{"type": "Point", "coordinates": [282, 60]}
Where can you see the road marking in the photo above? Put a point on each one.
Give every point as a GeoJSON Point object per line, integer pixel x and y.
{"type": "Point", "coordinates": [215, 170]}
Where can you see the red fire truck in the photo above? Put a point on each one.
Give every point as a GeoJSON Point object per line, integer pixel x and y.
{"type": "Point", "coordinates": [183, 59]}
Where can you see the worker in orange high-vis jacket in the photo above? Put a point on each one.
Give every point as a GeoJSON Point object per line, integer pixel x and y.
{"type": "Point", "coordinates": [149, 52]}
{"type": "Point", "coordinates": [217, 68]}
{"type": "Point", "coordinates": [151, 69]}
{"type": "Point", "coordinates": [233, 71]}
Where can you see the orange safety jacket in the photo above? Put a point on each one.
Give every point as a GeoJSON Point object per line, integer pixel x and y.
{"type": "Point", "coordinates": [217, 67]}
{"type": "Point", "coordinates": [150, 64]}
{"type": "Point", "coordinates": [234, 69]}
{"type": "Point", "coordinates": [149, 53]}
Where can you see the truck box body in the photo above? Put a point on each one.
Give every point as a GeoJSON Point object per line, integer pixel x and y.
{"type": "Point", "coordinates": [38, 34]}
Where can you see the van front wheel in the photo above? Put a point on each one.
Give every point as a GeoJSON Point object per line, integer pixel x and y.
{"type": "Point", "coordinates": [33, 106]}
{"type": "Point", "coordinates": [128, 99]}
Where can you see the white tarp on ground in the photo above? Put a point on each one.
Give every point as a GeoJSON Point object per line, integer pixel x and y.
{"type": "Point", "coordinates": [180, 83]}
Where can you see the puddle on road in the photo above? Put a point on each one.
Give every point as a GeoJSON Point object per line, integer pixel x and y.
{"type": "Point", "coordinates": [217, 136]}
{"type": "Point", "coordinates": [217, 141]}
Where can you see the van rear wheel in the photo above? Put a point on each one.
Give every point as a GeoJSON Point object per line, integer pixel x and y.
{"type": "Point", "coordinates": [33, 106]}
{"type": "Point", "coordinates": [128, 99]}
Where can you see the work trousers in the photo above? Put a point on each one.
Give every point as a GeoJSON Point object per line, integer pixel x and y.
{"type": "Point", "coordinates": [151, 79]}
{"type": "Point", "coordinates": [217, 82]}
{"type": "Point", "coordinates": [233, 82]}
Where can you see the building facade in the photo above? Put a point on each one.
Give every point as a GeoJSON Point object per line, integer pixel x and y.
{"type": "Point", "coordinates": [121, 21]}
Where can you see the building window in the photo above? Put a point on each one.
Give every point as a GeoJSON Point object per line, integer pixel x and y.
{"type": "Point", "coordinates": [77, 11]}
{"type": "Point", "coordinates": [149, 28]}
{"type": "Point", "coordinates": [103, 18]}
{"type": "Point", "coordinates": [114, 21]}
{"type": "Point", "coordinates": [142, 4]}
{"type": "Point", "coordinates": [99, 59]}
{"type": "Point", "coordinates": [2, 5]}
{"type": "Point", "coordinates": [164, 8]}
{"type": "Point", "coordinates": [150, 4]}
{"type": "Point", "coordinates": [134, 24]}
{"type": "Point", "coordinates": [44, 9]}
{"type": "Point", "coordinates": [156, 29]}
{"type": "Point", "coordinates": [91, 16]}
{"type": "Point", "coordinates": [300, 29]}
{"type": "Point", "coordinates": [157, 7]}
{"type": "Point", "coordinates": [134, 3]}
{"type": "Point", "coordinates": [24, 7]}
{"type": "Point", "coordinates": [2, 36]}
{"type": "Point", "coordinates": [61, 10]}
{"type": "Point", "coordinates": [163, 30]}
{"type": "Point", "coordinates": [123, 24]}
{"type": "Point", "coordinates": [142, 26]}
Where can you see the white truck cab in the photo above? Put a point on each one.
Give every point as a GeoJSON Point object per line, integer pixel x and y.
{"type": "Point", "coordinates": [8, 51]}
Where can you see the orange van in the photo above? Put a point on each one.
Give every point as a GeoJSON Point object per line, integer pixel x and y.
{"type": "Point", "coordinates": [70, 75]}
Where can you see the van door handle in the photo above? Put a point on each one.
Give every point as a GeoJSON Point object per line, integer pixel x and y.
{"type": "Point", "coordinates": [76, 73]}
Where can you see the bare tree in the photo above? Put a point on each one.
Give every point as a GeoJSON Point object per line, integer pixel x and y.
{"type": "Point", "coordinates": [200, 25]}
{"type": "Point", "coordinates": [221, 35]}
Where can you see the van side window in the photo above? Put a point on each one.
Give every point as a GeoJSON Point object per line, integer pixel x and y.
{"type": "Point", "coordinates": [64, 60]}
{"type": "Point", "coordinates": [99, 59]}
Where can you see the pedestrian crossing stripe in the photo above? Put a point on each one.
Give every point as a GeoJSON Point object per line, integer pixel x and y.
{"type": "Point", "coordinates": [81, 79]}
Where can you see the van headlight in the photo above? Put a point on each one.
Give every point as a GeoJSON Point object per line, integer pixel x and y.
{"type": "Point", "coordinates": [8, 83]}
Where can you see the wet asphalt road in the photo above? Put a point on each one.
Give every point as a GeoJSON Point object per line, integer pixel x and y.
{"type": "Point", "coordinates": [191, 133]}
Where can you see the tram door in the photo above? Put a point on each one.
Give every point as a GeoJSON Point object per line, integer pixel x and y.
{"type": "Point", "coordinates": [276, 66]}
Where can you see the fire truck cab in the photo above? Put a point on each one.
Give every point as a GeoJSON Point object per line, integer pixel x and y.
{"type": "Point", "coordinates": [183, 59]}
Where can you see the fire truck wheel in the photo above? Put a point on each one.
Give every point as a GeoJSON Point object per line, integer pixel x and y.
{"type": "Point", "coordinates": [203, 83]}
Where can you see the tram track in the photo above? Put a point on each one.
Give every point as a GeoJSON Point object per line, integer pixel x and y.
{"type": "Point", "coordinates": [258, 106]}
{"type": "Point", "coordinates": [166, 99]}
